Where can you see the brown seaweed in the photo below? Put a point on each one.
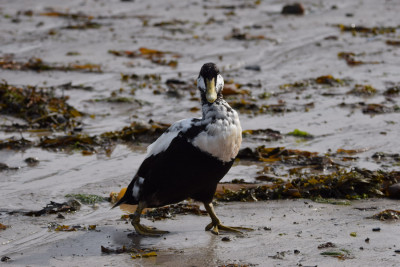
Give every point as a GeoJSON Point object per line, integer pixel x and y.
{"type": "Point", "coordinates": [137, 132]}
{"type": "Point", "coordinates": [392, 91]}
{"type": "Point", "coordinates": [172, 210]}
{"type": "Point", "coordinates": [393, 42]}
{"type": "Point", "coordinates": [353, 184]}
{"type": "Point", "coordinates": [135, 252]}
{"type": "Point", "coordinates": [387, 215]}
{"type": "Point", "coordinates": [37, 64]}
{"type": "Point", "coordinates": [155, 56]}
{"type": "Point", "coordinates": [15, 144]}
{"type": "Point", "coordinates": [374, 108]}
{"type": "Point", "coordinates": [75, 16]}
{"type": "Point", "coordinates": [371, 108]}
{"type": "Point", "coordinates": [238, 35]}
{"type": "Point", "coordinates": [350, 59]}
{"type": "Point", "coordinates": [3, 227]}
{"type": "Point", "coordinates": [320, 81]}
{"type": "Point", "coordinates": [354, 29]}
{"type": "Point", "coordinates": [54, 207]}
{"type": "Point", "coordinates": [363, 90]}
{"type": "Point", "coordinates": [84, 26]}
{"type": "Point", "coordinates": [38, 106]}
{"type": "Point", "coordinates": [274, 154]}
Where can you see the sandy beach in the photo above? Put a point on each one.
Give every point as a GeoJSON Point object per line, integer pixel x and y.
{"type": "Point", "coordinates": [87, 85]}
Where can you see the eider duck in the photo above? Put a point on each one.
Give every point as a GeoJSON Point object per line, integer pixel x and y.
{"type": "Point", "coordinates": [189, 158]}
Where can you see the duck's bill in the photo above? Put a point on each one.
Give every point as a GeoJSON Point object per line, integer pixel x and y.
{"type": "Point", "coordinates": [211, 93]}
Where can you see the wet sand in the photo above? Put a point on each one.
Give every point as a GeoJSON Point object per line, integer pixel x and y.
{"type": "Point", "coordinates": [286, 233]}
{"type": "Point", "coordinates": [288, 50]}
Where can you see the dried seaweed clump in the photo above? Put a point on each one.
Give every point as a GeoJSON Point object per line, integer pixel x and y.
{"type": "Point", "coordinates": [54, 208]}
{"type": "Point", "coordinates": [321, 81]}
{"type": "Point", "coordinates": [79, 141]}
{"type": "Point", "coordinates": [273, 154]}
{"type": "Point", "coordinates": [15, 144]}
{"type": "Point", "coordinates": [171, 210]}
{"type": "Point", "coordinates": [250, 107]}
{"type": "Point", "coordinates": [387, 215]}
{"type": "Point", "coordinates": [155, 56]}
{"type": "Point", "coordinates": [135, 252]}
{"type": "Point", "coordinates": [363, 90]}
{"type": "Point", "coordinates": [366, 31]}
{"type": "Point", "coordinates": [351, 60]}
{"type": "Point", "coordinates": [39, 107]}
{"type": "Point", "coordinates": [238, 35]}
{"type": "Point", "coordinates": [38, 64]}
{"type": "Point", "coordinates": [137, 132]}
{"type": "Point", "coordinates": [352, 184]}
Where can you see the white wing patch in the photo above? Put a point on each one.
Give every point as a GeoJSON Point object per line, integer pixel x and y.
{"type": "Point", "coordinates": [136, 188]}
{"type": "Point", "coordinates": [221, 137]}
{"type": "Point", "coordinates": [163, 142]}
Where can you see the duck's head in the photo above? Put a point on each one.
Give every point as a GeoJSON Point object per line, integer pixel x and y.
{"type": "Point", "coordinates": [210, 83]}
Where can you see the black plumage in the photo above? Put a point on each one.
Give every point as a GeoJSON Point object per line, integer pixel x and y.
{"type": "Point", "coordinates": [182, 171]}
{"type": "Point", "coordinates": [190, 158]}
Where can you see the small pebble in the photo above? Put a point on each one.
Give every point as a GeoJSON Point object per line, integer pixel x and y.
{"type": "Point", "coordinates": [296, 251]}
{"type": "Point", "coordinates": [294, 9]}
{"type": "Point", "coordinates": [175, 81]}
{"type": "Point", "coordinates": [327, 245]}
{"type": "Point", "coordinates": [367, 240]}
{"type": "Point", "coordinates": [377, 229]}
{"type": "Point", "coordinates": [3, 166]}
{"type": "Point", "coordinates": [226, 239]}
{"type": "Point", "coordinates": [32, 161]}
{"type": "Point", "coordinates": [5, 258]}
{"type": "Point", "coordinates": [394, 191]}
{"type": "Point", "coordinates": [174, 93]}
{"type": "Point", "coordinates": [331, 37]}
{"type": "Point", "coordinates": [253, 67]}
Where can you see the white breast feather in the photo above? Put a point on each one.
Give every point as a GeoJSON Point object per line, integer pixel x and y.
{"type": "Point", "coordinates": [222, 139]}
{"type": "Point", "coordinates": [163, 142]}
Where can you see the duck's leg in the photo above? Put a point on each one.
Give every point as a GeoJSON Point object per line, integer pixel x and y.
{"type": "Point", "coordinates": [140, 228]}
{"type": "Point", "coordinates": [216, 225]}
